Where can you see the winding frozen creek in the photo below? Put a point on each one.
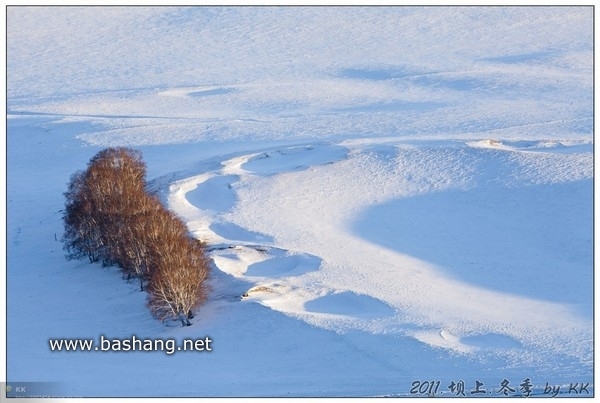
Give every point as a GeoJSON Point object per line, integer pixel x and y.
{"type": "Point", "coordinates": [444, 242]}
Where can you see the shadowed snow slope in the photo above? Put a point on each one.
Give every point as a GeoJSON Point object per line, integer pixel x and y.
{"type": "Point", "coordinates": [450, 236]}
{"type": "Point", "coordinates": [390, 196]}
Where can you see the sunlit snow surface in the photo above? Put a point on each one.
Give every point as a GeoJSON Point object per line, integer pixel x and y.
{"type": "Point", "coordinates": [390, 196]}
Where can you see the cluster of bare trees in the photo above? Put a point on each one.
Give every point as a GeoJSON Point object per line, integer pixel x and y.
{"type": "Point", "coordinates": [111, 218]}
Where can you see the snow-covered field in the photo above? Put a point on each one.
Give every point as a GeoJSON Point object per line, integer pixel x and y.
{"type": "Point", "coordinates": [397, 200]}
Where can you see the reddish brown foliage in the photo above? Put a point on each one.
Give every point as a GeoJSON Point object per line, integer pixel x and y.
{"type": "Point", "coordinates": [176, 287]}
{"type": "Point", "coordinates": [110, 217]}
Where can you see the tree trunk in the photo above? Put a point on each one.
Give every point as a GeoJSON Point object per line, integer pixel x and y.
{"type": "Point", "coordinates": [184, 320]}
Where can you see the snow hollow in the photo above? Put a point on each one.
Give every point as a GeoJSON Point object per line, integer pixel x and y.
{"type": "Point", "coordinates": [397, 201]}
